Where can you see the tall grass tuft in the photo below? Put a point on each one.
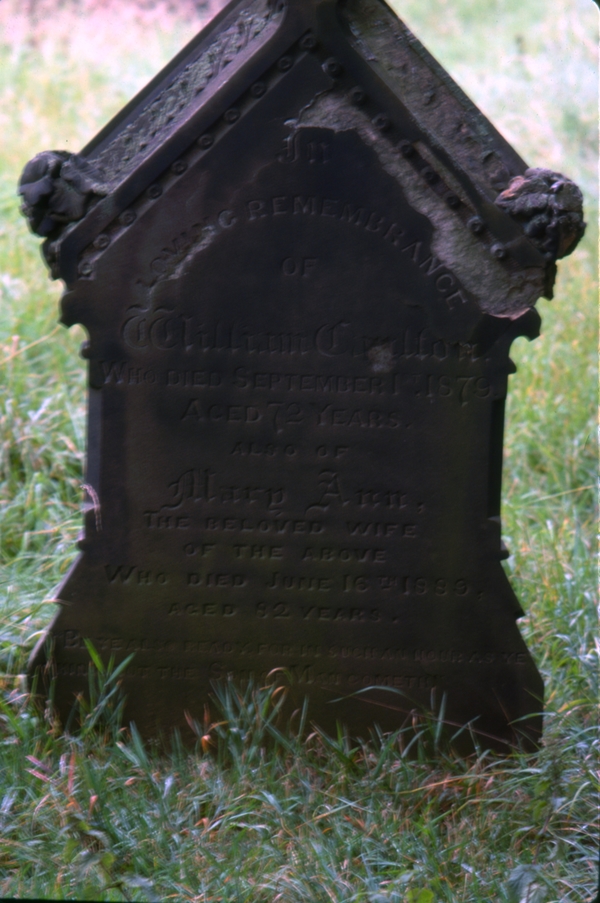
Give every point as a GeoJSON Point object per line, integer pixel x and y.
{"type": "Point", "coordinates": [255, 812]}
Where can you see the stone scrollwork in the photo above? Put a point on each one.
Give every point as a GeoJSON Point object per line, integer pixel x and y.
{"type": "Point", "coordinates": [56, 188]}
{"type": "Point", "coordinates": [549, 208]}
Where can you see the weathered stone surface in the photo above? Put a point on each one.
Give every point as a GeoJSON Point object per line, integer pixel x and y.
{"type": "Point", "coordinates": [300, 296]}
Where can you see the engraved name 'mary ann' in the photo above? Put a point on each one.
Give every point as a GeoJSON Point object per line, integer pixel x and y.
{"type": "Point", "coordinates": [301, 255]}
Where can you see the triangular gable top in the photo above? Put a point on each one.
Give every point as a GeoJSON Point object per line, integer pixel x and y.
{"type": "Point", "coordinates": [381, 82]}
{"type": "Point", "coordinates": [188, 84]}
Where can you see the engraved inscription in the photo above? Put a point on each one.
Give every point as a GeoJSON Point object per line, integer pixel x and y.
{"type": "Point", "coordinates": [299, 266]}
{"type": "Point", "coordinates": [386, 529]}
{"type": "Point", "coordinates": [300, 582]}
{"type": "Point", "coordinates": [220, 413]}
{"type": "Point", "coordinates": [203, 486]}
{"type": "Point", "coordinates": [216, 581]}
{"type": "Point", "coordinates": [428, 385]}
{"type": "Point", "coordinates": [155, 521]}
{"type": "Point", "coordinates": [120, 373]}
{"type": "Point", "coordinates": [258, 450]}
{"type": "Point", "coordinates": [377, 556]}
{"type": "Point", "coordinates": [73, 639]}
{"type": "Point", "coordinates": [296, 149]}
{"type": "Point", "coordinates": [258, 552]}
{"type": "Point", "coordinates": [165, 330]}
{"type": "Point", "coordinates": [278, 526]}
{"type": "Point", "coordinates": [422, 385]}
{"type": "Point", "coordinates": [203, 609]}
{"type": "Point", "coordinates": [131, 574]}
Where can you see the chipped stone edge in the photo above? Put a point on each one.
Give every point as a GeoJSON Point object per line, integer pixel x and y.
{"type": "Point", "coordinates": [498, 291]}
{"type": "Point", "coordinates": [439, 106]}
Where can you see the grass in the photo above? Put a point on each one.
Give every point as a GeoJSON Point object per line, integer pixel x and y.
{"type": "Point", "coordinates": [267, 817]}
{"type": "Point", "coordinates": [255, 813]}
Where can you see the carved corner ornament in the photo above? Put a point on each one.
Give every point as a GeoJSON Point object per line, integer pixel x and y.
{"type": "Point", "coordinates": [549, 208]}
{"type": "Point", "coordinates": [57, 188]}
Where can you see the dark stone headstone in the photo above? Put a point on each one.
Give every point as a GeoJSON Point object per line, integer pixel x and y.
{"type": "Point", "coordinates": [301, 255]}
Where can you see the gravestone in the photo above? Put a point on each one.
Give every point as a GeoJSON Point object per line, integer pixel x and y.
{"type": "Point", "coordinates": [301, 255]}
